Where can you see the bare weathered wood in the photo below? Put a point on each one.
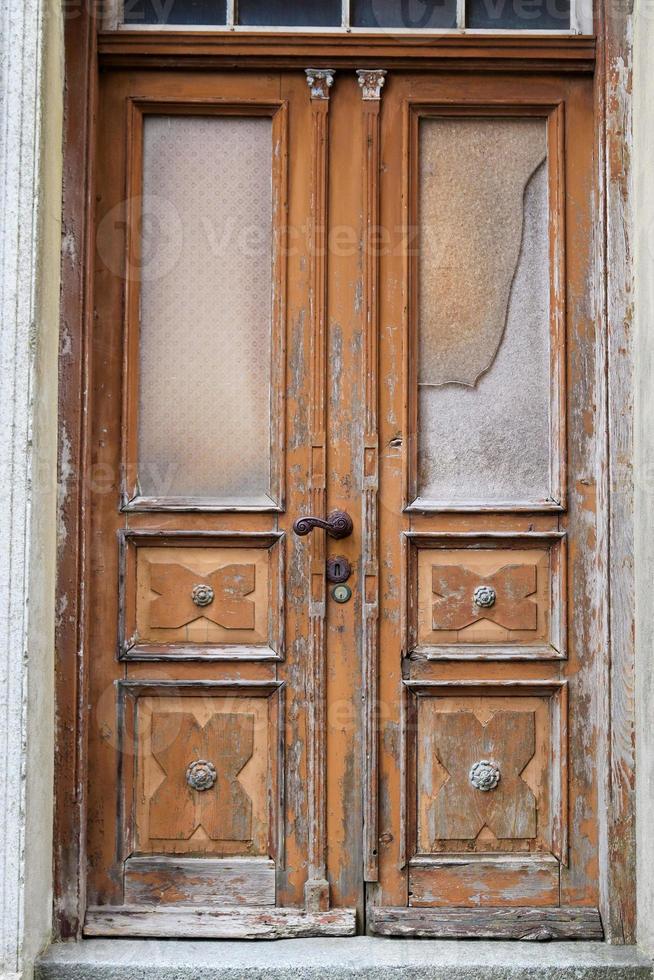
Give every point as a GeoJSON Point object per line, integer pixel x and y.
{"type": "Point", "coordinates": [208, 923]}
{"type": "Point", "coordinates": [527, 924]}
{"type": "Point", "coordinates": [73, 454]}
{"type": "Point", "coordinates": [614, 294]}
{"type": "Point", "coordinates": [199, 881]}
{"type": "Point", "coordinates": [488, 881]}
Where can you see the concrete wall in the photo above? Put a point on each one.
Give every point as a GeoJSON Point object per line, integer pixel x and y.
{"type": "Point", "coordinates": [31, 100]}
{"type": "Point", "coordinates": [643, 177]}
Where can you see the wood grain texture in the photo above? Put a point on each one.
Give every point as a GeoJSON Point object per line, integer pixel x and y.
{"type": "Point", "coordinates": [527, 924]}
{"type": "Point", "coordinates": [199, 881]}
{"type": "Point", "coordinates": [80, 96]}
{"type": "Point", "coordinates": [615, 306]}
{"type": "Point", "coordinates": [208, 923]}
{"type": "Point", "coordinates": [486, 881]}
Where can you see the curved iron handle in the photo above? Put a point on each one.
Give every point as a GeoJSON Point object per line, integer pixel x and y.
{"type": "Point", "coordinates": [338, 525]}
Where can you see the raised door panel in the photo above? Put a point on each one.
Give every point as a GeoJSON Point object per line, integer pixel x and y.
{"type": "Point", "coordinates": [488, 767]}
{"type": "Point", "coordinates": [216, 596]}
{"type": "Point", "coordinates": [494, 597]}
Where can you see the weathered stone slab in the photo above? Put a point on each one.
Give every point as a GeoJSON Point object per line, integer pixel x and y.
{"type": "Point", "coordinates": [329, 959]}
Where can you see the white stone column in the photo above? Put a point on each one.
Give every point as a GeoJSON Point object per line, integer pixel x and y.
{"type": "Point", "coordinates": [31, 91]}
{"type": "Point", "coordinates": [643, 178]}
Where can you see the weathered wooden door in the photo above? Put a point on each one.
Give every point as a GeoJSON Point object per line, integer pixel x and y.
{"type": "Point", "coordinates": [490, 652]}
{"type": "Point", "coordinates": [208, 767]}
{"type": "Point", "coordinates": [360, 292]}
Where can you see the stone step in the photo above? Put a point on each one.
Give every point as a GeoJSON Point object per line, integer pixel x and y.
{"type": "Point", "coordinates": [332, 959]}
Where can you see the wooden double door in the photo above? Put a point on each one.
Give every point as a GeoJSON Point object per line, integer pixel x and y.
{"type": "Point", "coordinates": [360, 297]}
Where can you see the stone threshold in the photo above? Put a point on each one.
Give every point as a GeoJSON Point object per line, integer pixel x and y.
{"type": "Point", "coordinates": [327, 959]}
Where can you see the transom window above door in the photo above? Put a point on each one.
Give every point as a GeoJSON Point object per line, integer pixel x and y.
{"type": "Point", "coordinates": [420, 16]}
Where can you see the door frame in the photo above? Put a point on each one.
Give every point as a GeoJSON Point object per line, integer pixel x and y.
{"type": "Point", "coordinates": [86, 53]}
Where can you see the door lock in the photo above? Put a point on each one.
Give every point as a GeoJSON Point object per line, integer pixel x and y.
{"type": "Point", "coordinates": [341, 594]}
{"type": "Point", "coordinates": [338, 569]}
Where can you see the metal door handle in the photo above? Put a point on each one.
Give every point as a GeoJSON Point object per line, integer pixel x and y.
{"type": "Point", "coordinates": [338, 525]}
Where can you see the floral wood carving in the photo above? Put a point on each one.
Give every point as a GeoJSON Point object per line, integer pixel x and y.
{"type": "Point", "coordinates": [179, 807]}
{"type": "Point", "coordinates": [460, 741]}
{"type": "Point", "coordinates": [178, 587]}
{"type": "Point", "coordinates": [201, 775]}
{"type": "Point", "coordinates": [458, 590]}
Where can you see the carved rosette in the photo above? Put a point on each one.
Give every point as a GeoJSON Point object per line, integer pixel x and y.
{"type": "Point", "coordinates": [484, 596]}
{"type": "Point", "coordinates": [371, 82]}
{"type": "Point", "coordinates": [201, 775]}
{"type": "Point", "coordinates": [320, 80]}
{"type": "Point", "coordinates": [203, 595]}
{"type": "Point", "coordinates": [485, 775]}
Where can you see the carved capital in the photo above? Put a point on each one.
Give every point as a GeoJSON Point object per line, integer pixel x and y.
{"type": "Point", "coordinates": [371, 82]}
{"type": "Point", "coordinates": [320, 80]}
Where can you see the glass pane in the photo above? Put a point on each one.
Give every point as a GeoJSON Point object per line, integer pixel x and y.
{"type": "Point", "coordinates": [290, 13]}
{"type": "Point", "coordinates": [527, 15]}
{"type": "Point", "coordinates": [175, 12]}
{"type": "Point", "coordinates": [412, 14]}
{"type": "Point", "coordinates": [484, 325]}
{"type": "Point", "coordinates": [205, 363]}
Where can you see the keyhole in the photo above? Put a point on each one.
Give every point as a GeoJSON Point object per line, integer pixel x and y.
{"type": "Point", "coordinates": [338, 569]}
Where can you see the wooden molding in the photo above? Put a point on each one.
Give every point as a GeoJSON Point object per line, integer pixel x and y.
{"type": "Point", "coordinates": [317, 888]}
{"type": "Point", "coordinates": [206, 49]}
{"type": "Point", "coordinates": [371, 84]}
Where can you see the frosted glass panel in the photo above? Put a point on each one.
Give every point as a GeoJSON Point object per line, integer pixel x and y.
{"type": "Point", "coordinates": [484, 324]}
{"type": "Point", "coordinates": [205, 375]}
